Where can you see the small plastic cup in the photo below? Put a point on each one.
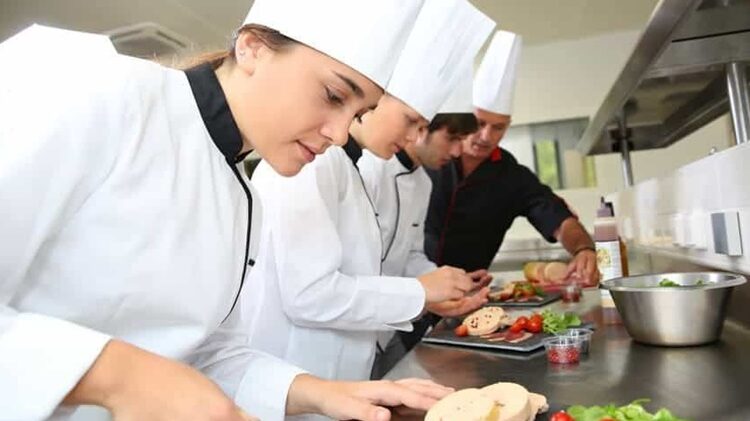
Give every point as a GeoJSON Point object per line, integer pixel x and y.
{"type": "Point", "coordinates": [582, 334]}
{"type": "Point", "coordinates": [563, 349]}
{"type": "Point", "coordinates": [571, 293]}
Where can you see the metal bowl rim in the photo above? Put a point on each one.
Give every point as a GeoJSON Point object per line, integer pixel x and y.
{"type": "Point", "coordinates": [734, 280]}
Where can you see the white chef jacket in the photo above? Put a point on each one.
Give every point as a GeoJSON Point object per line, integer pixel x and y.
{"type": "Point", "coordinates": [123, 214]}
{"type": "Point", "coordinates": [318, 299]}
{"type": "Point", "coordinates": [400, 191]}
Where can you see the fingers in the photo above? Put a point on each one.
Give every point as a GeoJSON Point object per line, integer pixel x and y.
{"type": "Point", "coordinates": [477, 275]}
{"type": "Point", "coordinates": [426, 387]}
{"type": "Point", "coordinates": [572, 268]}
{"type": "Point", "coordinates": [359, 409]}
{"type": "Point", "coordinates": [464, 283]}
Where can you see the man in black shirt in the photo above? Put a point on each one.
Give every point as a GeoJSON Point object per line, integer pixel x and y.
{"type": "Point", "coordinates": [477, 196]}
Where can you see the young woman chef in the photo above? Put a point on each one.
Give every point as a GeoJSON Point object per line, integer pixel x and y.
{"type": "Point", "coordinates": [319, 280]}
{"type": "Point", "coordinates": [126, 224]}
{"type": "Point", "coordinates": [400, 192]}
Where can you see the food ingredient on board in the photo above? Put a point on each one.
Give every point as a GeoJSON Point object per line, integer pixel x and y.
{"type": "Point", "coordinates": [518, 292]}
{"type": "Point", "coordinates": [486, 320]}
{"type": "Point", "coordinates": [631, 412]}
{"type": "Point", "coordinates": [557, 322]}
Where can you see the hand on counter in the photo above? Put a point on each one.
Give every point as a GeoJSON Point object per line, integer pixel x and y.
{"type": "Point", "coordinates": [361, 400]}
{"type": "Point", "coordinates": [583, 266]}
{"type": "Point", "coordinates": [134, 384]}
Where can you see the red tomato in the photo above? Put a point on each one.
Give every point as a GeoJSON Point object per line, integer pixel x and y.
{"type": "Point", "coordinates": [461, 330]}
{"type": "Point", "coordinates": [561, 416]}
{"type": "Point", "coordinates": [538, 317]}
{"type": "Point", "coordinates": [519, 325]}
{"type": "Point", "coordinates": [534, 325]}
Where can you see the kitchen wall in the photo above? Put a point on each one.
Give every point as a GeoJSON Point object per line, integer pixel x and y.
{"type": "Point", "coordinates": [570, 79]}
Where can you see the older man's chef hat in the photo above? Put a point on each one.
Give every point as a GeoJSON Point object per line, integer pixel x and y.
{"type": "Point", "coordinates": [495, 80]}
{"type": "Point", "coordinates": [460, 100]}
{"type": "Point", "coordinates": [445, 39]}
{"type": "Point", "coordinates": [366, 35]}
{"type": "Point", "coordinates": [56, 42]}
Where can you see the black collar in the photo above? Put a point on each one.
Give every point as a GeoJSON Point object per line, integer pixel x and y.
{"type": "Point", "coordinates": [215, 112]}
{"type": "Point", "coordinates": [405, 160]}
{"type": "Point", "coordinates": [353, 150]}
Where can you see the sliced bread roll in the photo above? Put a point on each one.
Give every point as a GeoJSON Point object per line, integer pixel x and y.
{"type": "Point", "coordinates": [534, 271]}
{"type": "Point", "coordinates": [555, 272]}
{"type": "Point", "coordinates": [512, 399]}
{"type": "Point", "coordinates": [464, 405]}
{"type": "Point", "coordinates": [485, 320]}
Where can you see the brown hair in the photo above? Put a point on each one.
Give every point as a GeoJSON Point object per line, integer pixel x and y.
{"type": "Point", "coordinates": [272, 38]}
{"type": "Point", "coordinates": [461, 124]}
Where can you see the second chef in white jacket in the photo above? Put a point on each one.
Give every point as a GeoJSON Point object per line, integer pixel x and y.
{"type": "Point", "coordinates": [320, 298]}
{"type": "Point", "coordinates": [400, 191]}
{"type": "Point", "coordinates": [127, 223]}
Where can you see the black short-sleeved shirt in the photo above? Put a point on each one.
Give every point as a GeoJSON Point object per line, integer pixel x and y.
{"type": "Point", "coordinates": [468, 217]}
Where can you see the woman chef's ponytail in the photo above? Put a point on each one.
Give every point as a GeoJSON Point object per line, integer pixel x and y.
{"type": "Point", "coordinates": [272, 38]}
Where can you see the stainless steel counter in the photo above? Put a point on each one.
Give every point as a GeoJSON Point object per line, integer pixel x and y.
{"type": "Point", "coordinates": [701, 383]}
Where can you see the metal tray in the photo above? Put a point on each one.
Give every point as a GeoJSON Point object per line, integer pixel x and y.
{"type": "Point", "coordinates": [549, 297]}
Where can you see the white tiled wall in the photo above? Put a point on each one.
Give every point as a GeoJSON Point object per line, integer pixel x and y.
{"type": "Point", "coordinates": [672, 214]}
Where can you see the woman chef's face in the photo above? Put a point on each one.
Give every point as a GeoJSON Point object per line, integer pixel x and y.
{"type": "Point", "coordinates": [390, 126]}
{"type": "Point", "coordinates": [291, 104]}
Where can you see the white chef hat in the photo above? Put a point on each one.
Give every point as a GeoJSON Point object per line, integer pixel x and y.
{"type": "Point", "coordinates": [445, 38]}
{"type": "Point", "coordinates": [56, 43]}
{"type": "Point", "coordinates": [460, 100]}
{"type": "Point", "coordinates": [495, 80]}
{"type": "Point", "coordinates": [366, 35]}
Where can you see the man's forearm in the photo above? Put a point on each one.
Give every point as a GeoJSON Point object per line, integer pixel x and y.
{"type": "Point", "coordinates": [573, 236]}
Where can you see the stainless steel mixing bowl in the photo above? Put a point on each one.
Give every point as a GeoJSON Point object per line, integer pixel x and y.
{"type": "Point", "coordinates": [689, 314]}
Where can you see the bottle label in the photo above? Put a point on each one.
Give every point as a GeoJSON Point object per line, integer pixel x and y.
{"type": "Point", "coordinates": [608, 259]}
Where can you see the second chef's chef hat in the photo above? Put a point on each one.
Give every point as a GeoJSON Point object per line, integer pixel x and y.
{"type": "Point", "coordinates": [56, 43]}
{"type": "Point", "coordinates": [460, 100]}
{"type": "Point", "coordinates": [495, 80]}
{"type": "Point", "coordinates": [366, 35]}
{"type": "Point", "coordinates": [445, 39]}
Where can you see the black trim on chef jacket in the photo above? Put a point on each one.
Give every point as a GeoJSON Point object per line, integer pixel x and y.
{"type": "Point", "coordinates": [410, 167]}
{"type": "Point", "coordinates": [469, 216]}
{"type": "Point", "coordinates": [354, 152]}
{"type": "Point", "coordinates": [221, 126]}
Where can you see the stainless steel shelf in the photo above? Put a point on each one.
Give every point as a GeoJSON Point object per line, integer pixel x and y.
{"type": "Point", "coordinates": [675, 79]}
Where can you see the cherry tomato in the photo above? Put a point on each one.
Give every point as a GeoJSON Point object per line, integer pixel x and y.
{"type": "Point", "coordinates": [534, 325]}
{"type": "Point", "coordinates": [561, 416]}
{"type": "Point", "coordinates": [461, 330]}
{"type": "Point", "coordinates": [519, 325]}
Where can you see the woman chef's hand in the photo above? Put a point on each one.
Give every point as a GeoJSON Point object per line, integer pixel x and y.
{"type": "Point", "coordinates": [464, 305]}
{"type": "Point", "coordinates": [583, 266]}
{"type": "Point", "coordinates": [134, 384]}
{"type": "Point", "coordinates": [361, 400]}
{"type": "Point", "coordinates": [445, 283]}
